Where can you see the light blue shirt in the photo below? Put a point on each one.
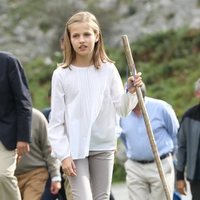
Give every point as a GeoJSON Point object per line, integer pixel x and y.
{"type": "Point", "coordinates": [164, 125]}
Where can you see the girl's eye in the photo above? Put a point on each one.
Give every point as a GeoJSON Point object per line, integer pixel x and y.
{"type": "Point", "coordinates": [87, 34]}
{"type": "Point", "coordinates": [75, 36]}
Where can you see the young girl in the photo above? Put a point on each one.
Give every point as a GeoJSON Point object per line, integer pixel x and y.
{"type": "Point", "coordinates": [87, 92]}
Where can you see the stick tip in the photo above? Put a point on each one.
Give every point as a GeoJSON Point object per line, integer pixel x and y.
{"type": "Point", "coordinates": [123, 36]}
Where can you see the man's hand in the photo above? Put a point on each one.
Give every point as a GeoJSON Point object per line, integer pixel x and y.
{"type": "Point", "coordinates": [181, 187]}
{"type": "Point", "coordinates": [22, 148]}
{"type": "Point", "coordinates": [55, 187]}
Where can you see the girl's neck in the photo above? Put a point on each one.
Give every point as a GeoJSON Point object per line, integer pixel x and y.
{"type": "Point", "coordinates": [82, 62]}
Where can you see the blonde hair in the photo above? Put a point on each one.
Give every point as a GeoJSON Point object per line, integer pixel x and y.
{"type": "Point", "coordinates": [99, 54]}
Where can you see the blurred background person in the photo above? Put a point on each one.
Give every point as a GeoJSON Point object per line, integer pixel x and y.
{"type": "Point", "coordinates": [188, 155]}
{"type": "Point", "coordinates": [15, 122]}
{"type": "Point", "coordinates": [32, 169]}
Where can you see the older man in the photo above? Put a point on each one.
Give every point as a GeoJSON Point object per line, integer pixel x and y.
{"type": "Point", "coordinates": [143, 180]}
{"type": "Point", "coordinates": [188, 156]}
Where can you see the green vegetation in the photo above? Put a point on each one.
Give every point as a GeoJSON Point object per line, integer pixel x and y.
{"type": "Point", "coordinates": [39, 73]}
{"type": "Point", "coordinates": [119, 173]}
{"type": "Point", "coordinates": [169, 63]}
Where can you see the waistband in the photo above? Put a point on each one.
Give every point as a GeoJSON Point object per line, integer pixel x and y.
{"type": "Point", "coordinates": [152, 161]}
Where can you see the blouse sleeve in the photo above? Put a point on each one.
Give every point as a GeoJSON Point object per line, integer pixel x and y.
{"type": "Point", "coordinates": [57, 131]}
{"type": "Point", "coordinates": [123, 102]}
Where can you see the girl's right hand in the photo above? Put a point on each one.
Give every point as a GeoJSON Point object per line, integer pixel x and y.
{"type": "Point", "coordinates": [68, 167]}
{"type": "Point", "coordinates": [133, 82]}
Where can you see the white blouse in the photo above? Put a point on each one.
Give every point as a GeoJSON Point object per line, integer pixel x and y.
{"type": "Point", "coordinates": [84, 104]}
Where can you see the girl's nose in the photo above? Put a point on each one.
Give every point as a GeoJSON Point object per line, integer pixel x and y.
{"type": "Point", "coordinates": [81, 39]}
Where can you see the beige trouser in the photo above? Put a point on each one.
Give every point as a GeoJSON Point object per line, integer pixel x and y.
{"type": "Point", "coordinates": [143, 180]}
{"type": "Point", "coordinates": [32, 183]}
{"type": "Point", "coordinates": [94, 176]}
{"type": "Point", "coordinates": [8, 182]}
{"type": "Point", "coordinates": [68, 191]}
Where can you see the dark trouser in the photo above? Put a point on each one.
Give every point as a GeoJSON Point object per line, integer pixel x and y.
{"type": "Point", "coordinates": [47, 195]}
{"type": "Point", "coordinates": [195, 190]}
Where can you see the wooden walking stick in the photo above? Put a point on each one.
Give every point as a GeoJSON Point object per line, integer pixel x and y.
{"type": "Point", "coordinates": [132, 70]}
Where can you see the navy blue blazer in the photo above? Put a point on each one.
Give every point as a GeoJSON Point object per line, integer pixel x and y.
{"type": "Point", "coordinates": [15, 102]}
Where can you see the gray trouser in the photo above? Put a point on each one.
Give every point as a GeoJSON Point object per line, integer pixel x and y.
{"type": "Point", "coordinates": [94, 176]}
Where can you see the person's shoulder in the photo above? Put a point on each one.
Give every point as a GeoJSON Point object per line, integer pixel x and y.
{"type": "Point", "coordinates": [59, 71]}
{"type": "Point", "coordinates": [153, 100]}
{"type": "Point", "coordinates": [158, 102]}
{"type": "Point", "coordinates": [37, 114]}
{"type": "Point", "coordinates": [11, 61]}
{"type": "Point", "coordinates": [193, 112]}
{"type": "Point", "coordinates": [7, 55]}
{"type": "Point", "coordinates": [108, 64]}
{"type": "Point", "coordinates": [109, 67]}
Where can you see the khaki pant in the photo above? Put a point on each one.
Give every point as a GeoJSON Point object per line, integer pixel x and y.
{"type": "Point", "coordinates": [143, 180]}
{"type": "Point", "coordinates": [8, 182]}
{"type": "Point", "coordinates": [32, 184]}
{"type": "Point", "coordinates": [68, 191]}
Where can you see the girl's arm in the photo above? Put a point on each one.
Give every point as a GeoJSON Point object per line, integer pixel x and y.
{"type": "Point", "coordinates": [123, 101]}
{"type": "Point", "coordinates": [57, 124]}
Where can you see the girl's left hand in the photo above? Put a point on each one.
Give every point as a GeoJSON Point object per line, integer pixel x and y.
{"type": "Point", "coordinates": [133, 82]}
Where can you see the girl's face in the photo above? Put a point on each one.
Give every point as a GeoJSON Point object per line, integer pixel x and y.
{"type": "Point", "coordinates": [83, 39]}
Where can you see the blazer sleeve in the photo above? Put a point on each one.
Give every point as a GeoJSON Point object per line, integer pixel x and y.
{"type": "Point", "coordinates": [22, 98]}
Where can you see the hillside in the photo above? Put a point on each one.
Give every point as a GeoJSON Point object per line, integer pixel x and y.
{"type": "Point", "coordinates": [31, 29]}
{"type": "Point", "coordinates": [170, 63]}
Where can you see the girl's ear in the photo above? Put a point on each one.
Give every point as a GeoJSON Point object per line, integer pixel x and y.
{"type": "Point", "coordinates": [97, 37]}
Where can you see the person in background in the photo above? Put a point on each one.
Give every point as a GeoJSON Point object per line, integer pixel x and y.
{"type": "Point", "coordinates": [188, 155]}
{"type": "Point", "coordinates": [142, 177]}
{"type": "Point", "coordinates": [87, 91]}
{"type": "Point", "coordinates": [15, 122]}
{"type": "Point", "coordinates": [32, 169]}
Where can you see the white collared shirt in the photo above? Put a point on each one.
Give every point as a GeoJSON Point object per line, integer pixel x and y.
{"type": "Point", "coordinates": [85, 101]}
